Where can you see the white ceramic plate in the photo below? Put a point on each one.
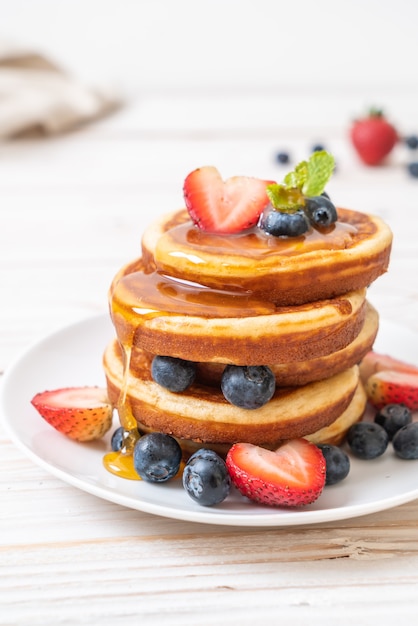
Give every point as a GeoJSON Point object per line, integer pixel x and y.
{"type": "Point", "coordinates": [72, 356]}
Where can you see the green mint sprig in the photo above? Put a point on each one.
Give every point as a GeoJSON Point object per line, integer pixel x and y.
{"type": "Point", "coordinates": [308, 179]}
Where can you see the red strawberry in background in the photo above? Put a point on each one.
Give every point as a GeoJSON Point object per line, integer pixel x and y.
{"type": "Point", "coordinates": [218, 206]}
{"type": "Point", "coordinates": [81, 413]}
{"type": "Point", "coordinates": [292, 475]}
{"type": "Point", "coordinates": [373, 137]}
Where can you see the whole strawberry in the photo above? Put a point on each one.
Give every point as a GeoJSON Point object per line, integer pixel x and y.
{"type": "Point", "coordinates": [81, 413]}
{"type": "Point", "coordinates": [373, 137]}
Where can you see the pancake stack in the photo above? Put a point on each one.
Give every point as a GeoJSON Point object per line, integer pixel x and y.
{"type": "Point", "coordinates": [295, 304]}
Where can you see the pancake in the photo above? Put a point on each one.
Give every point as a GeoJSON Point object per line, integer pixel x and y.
{"type": "Point", "coordinates": [202, 414]}
{"type": "Point", "coordinates": [185, 330]}
{"type": "Point", "coordinates": [335, 433]}
{"type": "Point", "coordinates": [296, 304]}
{"type": "Point", "coordinates": [289, 374]}
{"type": "Point", "coordinates": [285, 270]}
{"type": "Point", "coordinates": [302, 372]}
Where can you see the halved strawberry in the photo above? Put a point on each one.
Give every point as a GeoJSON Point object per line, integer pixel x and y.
{"type": "Point", "coordinates": [81, 413]}
{"type": "Point", "coordinates": [218, 206]}
{"type": "Point", "coordinates": [374, 362]}
{"type": "Point", "coordinates": [292, 475]}
{"type": "Point", "coordinates": [390, 387]}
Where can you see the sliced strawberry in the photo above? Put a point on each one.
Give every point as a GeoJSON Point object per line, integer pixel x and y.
{"type": "Point", "coordinates": [292, 475]}
{"type": "Point", "coordinates": [81, 413]}
{"type": "Point", "coordinates": [224, 207]}
{"type": "Point", "coordinates": [390, 387]}
{"type": "Point", "coordinates": [374, 362]}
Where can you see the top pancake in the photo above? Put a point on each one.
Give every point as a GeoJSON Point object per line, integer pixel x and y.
{"type": "Point", "coordinates": [350, 255]}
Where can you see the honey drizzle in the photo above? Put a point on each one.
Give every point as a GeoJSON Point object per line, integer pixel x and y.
{"type": "Point", "coordinates": [124, 408]}
{"type": "Point", "coordinates": [146, 290]}
{"type": "Point", "coordinates": [121, 463]}
{"type": "Point", "coordinates": [187, 241]}
{"type": "Point", "coordinates": [145, 295]}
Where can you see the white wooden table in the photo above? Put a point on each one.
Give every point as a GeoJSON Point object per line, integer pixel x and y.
{"type": "Point", "coordinates": [72, 210]}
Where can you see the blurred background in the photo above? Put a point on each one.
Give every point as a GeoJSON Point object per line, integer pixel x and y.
{"type": "Point", "coordinates": [154, 44]}
{"type": "Point", "coordinates": [320, 49]}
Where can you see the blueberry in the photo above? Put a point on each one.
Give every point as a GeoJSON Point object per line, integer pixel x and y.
{"type": "Point", "coordinates": [412, 142]}
{"type": "Point", "coordinates": [405, 441]}
{"type": "Point", "coordinates": [367, 440]}
{"type": "Point", "coordinates": [392, 417]}
{"type": "Point", "coordinates": [248, 387]}
{"type": "Point", "coordinates": [337, 463]}
{"type": "Point", "coordinates": [321, 211]}
{"type": "Point", "coordinates": [206, 478]}
{"type": "Point", "coordinates": [157, 457]}
{"type": "Point", "coordinates": [413, 169]}
{"type": "Point", "coordinates": [282, 157]}
{"type": "Point", "coordinates": [124, 440]}
{"type": "Point", "coordinates": [116, 442]}
{"type": "Point", "coordinates": [317, 147]}
{"type": "Point", "coordinates": [279, 223]}
{"type": "Point", "coordinates": [204, 453]}
{"type": "Point", "coordinates": [173, 374]}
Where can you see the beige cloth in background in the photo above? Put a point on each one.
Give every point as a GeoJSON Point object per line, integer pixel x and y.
{"type": "Point", "coordinates": [37, 98]}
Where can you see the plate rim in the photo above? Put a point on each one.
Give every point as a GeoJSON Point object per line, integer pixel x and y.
{"type": "Point", "coordinates": [215, 516]}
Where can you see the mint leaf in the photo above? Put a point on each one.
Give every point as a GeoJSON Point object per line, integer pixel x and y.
{"type": "Point", "coordinates": [285, 199]}
{"type": "Point", "coordinates": [307, 179]}
{"type": "Point", "coordinates": [319, 169]}
{"type": "Point", "coordinates": [298, 177]}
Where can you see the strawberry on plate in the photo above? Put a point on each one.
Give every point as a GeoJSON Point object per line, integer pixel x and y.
{"type": "Point", "coordinates": [374, 362]}
{"type": "Point", "coordinates": [224, 207]}
{"type": "Point", "coordinates": [373, 137]}
{"type": "Point", "coordinates": [81, 413]}
{"type": "Point", "coordinates": [393, 387]}
{"type": "Point", "coordinates": [292, 475]}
